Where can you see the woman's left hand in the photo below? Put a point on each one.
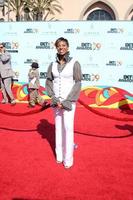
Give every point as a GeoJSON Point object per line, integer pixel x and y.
{"type": "Point", "coordinates": [59, 105]}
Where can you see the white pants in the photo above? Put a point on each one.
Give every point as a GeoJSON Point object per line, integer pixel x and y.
{"type": "Point", "coordinates": [64, 134]}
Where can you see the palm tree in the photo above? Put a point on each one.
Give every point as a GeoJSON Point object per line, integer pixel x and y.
{"type": "Point", "coordinates": [16, 6]}
{"type": "Point", "coordinates": [37, 10]}
{"type": "Point", "coordinates": [41, 9]}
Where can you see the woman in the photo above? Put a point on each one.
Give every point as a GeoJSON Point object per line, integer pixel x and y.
{"type": "Point", "coordinates": [63, 85]}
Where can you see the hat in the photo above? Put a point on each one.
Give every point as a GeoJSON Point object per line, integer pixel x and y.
{"type": "Point", "coordinates": [34, 65]}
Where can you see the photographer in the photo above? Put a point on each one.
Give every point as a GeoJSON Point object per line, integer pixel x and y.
{"type": "Point", "coordinates": [6, 74]}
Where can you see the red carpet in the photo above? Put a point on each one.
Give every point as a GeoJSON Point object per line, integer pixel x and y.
{"type": "Point", "coordinates": [103, 168]}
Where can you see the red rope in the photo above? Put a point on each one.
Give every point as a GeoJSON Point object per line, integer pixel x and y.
{"type": "Point", "coordinates": [26, 113]}
{"type": "Point", "coordinates": [102, 114]}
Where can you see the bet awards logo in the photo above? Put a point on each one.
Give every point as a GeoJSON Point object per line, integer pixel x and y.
{"type": "Point", "coordinates": [114, 63]}
{"type": "Point", "coordinates": [89, 46]}
{"type": "Point", "coordinates": [29, 61]}
{"type": "Point", "coordinates": [116, 30]}
{"type": "Point", "coordinates": [91, 77]}
{"type": "Point", "coordinates": [72, 30]}
{"type": "Point", "coordinates": [45, 45]}
{"type": "Point", "coordinates": [43, 75]}
{"type": "Point", "coordinates": [31, 30]}
{"type": "Point", "coordinates": [128, 46]}
{"type": "Point", "coordinates": [126, 78]}
{"type": "Point", "coordinates": [12, 46]}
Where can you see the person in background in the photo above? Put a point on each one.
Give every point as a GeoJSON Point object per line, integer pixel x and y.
{"type": "Point", "coordinates": [6, 75]}
{"type": "Point", "coordinates": [63, 85]}
{"type": "Point", "coordinates": [33, 86]}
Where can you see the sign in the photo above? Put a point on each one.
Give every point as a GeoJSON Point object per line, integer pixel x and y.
{"type": "Point", "coordinates": [104, 49]}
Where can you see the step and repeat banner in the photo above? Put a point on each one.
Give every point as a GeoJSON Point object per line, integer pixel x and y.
{"type": "Point", "coordinates": [104, 49]}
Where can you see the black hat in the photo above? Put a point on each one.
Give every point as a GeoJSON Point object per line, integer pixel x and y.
{"type": "Point", "coordinates": [34, 65]}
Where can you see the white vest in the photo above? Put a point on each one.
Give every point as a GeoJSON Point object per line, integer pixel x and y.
{"type": "Point", "coordinates": [63, 81]}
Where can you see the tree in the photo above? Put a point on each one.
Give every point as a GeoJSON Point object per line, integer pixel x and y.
{"type": "Point", "coordinates": [37, 10]}
{"type": "Point", "coordinates": [41, 9]}
{"type": "Point", "coordinates": [16, 6]}
{"type": "Point", "coordinates": [2, 8]}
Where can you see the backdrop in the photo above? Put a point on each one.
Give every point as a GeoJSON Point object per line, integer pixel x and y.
{"type": "Point", "coordinates": [104, 49]}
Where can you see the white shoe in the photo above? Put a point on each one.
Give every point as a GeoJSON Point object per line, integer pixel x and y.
{"type": "Point", "coordinates": [13, 102]}
{"type": "Point", "coordinates": [67, 166]}
{"type": "Point", "coordinates": [4, 101]}
{"type": "Point", "coordinates": [58, 161]}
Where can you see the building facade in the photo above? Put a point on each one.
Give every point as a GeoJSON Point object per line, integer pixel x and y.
{"type": "Point", "coordinates": [96, 10]}
{"type": "Point", "coordinates": [86, 10]}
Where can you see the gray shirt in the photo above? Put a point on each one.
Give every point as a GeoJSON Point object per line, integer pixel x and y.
{"type": "Point", "coordinates": [5, 65]}
{"type": "Point", "coordinates": [75, 91]}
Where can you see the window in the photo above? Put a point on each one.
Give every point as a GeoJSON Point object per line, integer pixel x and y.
{"type": "Point", "coordinates": [99, 15]}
